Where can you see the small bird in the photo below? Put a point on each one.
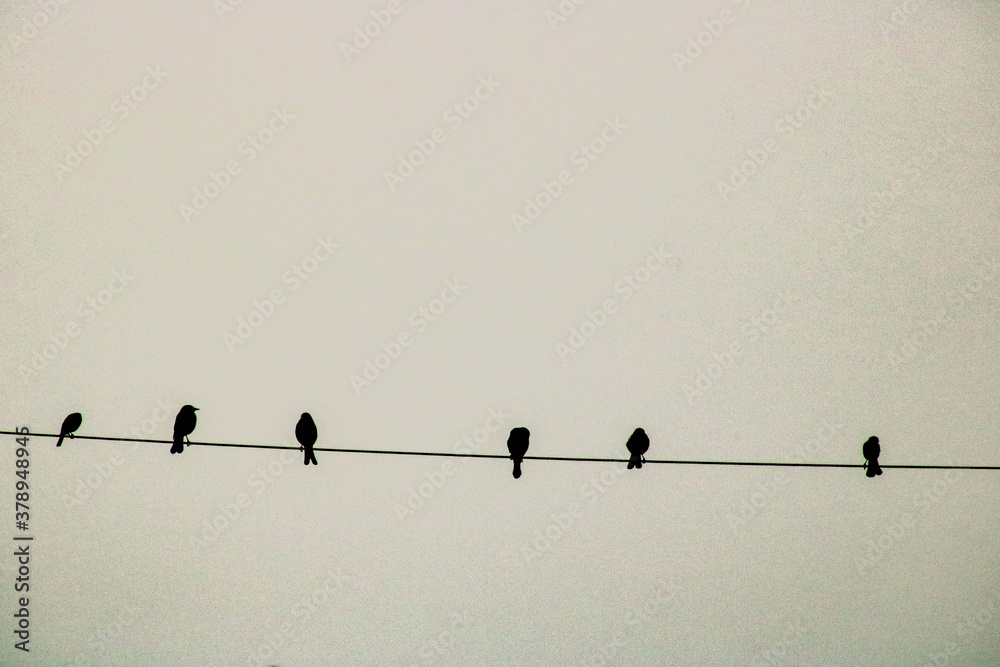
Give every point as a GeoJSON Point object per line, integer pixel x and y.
{"type": "Point", "coordinates": [183, 426]}
{"type": "Point", "coordinates": [517, 445]}
{"type": "Point", "coordinates": [70, 424]}
{"type": "Point", "coordinates": [871, 450]}
{"type": "Point", "coordinates": [638, 444]}
{"type": "Point", "coordinates": [305, 433]}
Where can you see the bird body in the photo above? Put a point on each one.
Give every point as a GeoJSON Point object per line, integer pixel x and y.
{"type": "Point", "coordinates": [871, 450]}
{"type": "Point", "coordinates": [70, 424]}
{"type": "Point", "coordinates": [184, 425]}
{"type": "Point", "coordinates": [517, 445]}
{"type": "Point", "coordinates": [305, 433]}
{"type": "Point", "coordinates": [638, 444]}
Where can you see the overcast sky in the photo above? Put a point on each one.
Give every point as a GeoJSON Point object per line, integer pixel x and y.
{"type": "Point", "coordinates": [760, 231]}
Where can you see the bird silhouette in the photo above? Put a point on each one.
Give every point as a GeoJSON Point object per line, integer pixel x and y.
{"type": "Point", "coordinates": [871, 450]}
{"type": "Point", "coordinates": [517, 445]}
{"type": "Point", "coordinates": [305, 433]}
{"type": "Point", "coordinates": [70, 424]}
{"type": "Point", "coordinates": [638, 444]}
{"type": "Point", "coordinates": [183, 426]}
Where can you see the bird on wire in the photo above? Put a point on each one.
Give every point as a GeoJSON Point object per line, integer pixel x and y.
{"type": "Point", "coordinates": [305, 433]}
{"type": "Point", "coordinates": [638, 444]}
{"type": "Point", "coordinates": [183, 427]}
{"type": "Point", "coordinates": [70, 424]}
{"type": "Point", "coordinates": [517, 445]}
{"type": "Point", "coordinates": [871, 450]}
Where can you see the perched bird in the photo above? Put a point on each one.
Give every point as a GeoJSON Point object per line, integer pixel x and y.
{"type": "Point", "coordinates": [638, 444]}
{"type": "Point", "coordinates": [183, 426]}
{"type": "Point", "coordinates": [305, 433]}
{"type": "Point", "coordinates": [517, 445]}
{"type": "Point", "coordinates": [871, 450]}
{"type": "Point", "coordinates": [70, 424]}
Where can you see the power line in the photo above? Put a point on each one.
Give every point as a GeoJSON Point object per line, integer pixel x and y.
{"type": "Point", "coordinates": [507, 457]}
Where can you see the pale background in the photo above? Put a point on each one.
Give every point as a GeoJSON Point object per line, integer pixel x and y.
{"type": "Point", "coordinates": [829, 568]}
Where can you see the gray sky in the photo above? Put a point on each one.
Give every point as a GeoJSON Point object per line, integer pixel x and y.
{"type": "Point", "coordinates": [761, 231]}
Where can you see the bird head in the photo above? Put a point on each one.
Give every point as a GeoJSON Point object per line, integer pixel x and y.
{"type": "Point", "coordinates": [517, 443]}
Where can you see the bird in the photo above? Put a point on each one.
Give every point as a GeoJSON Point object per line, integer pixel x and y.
{"type": "Point", "coordinates": [638, 444]}
{"type": "Point", "coordinates": [871, 450]}
{"type": "Point", "coordinates": [517, 445]}
{"type": "Point", "coordinates": [183, 426]}
{"type": "Point", "coordinates": [305, 433]}
{"type": "Point", "coordinates": [70, 424]}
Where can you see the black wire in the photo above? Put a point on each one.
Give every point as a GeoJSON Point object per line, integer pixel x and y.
{"type": "Point", "coordinates": [503, 456]}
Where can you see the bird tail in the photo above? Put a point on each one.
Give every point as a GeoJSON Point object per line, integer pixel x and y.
{"type": "Point", "coordinates": [178, 445]}
{"type": "Point", "coordinates": [59, 441]}
{"type": "Point", "coordinates": [517, 468]}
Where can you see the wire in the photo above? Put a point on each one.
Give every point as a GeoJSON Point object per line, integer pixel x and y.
{"type": "Point", "coordinates": [505, 456]}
